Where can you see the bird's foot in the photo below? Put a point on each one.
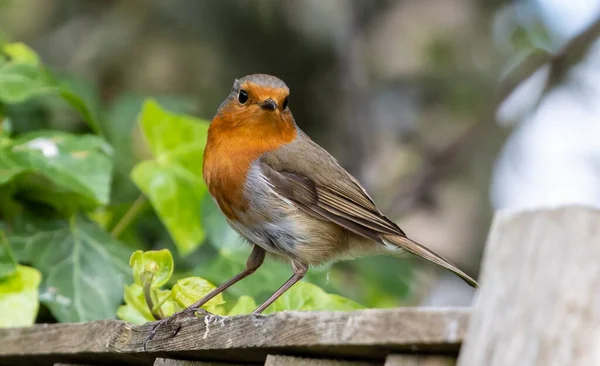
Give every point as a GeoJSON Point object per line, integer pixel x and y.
{"type": "Point", "coordinates": [186, 313]}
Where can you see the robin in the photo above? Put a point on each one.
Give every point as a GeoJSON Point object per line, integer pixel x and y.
{"type": "Point", "coordinates": [287, 195]}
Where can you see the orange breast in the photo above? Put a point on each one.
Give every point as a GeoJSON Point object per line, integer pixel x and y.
{"type": "Point", "coordinates": [230, 151]}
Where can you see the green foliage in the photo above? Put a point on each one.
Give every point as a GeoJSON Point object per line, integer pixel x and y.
{"type": "Point", "coordinates": [19, 297]}
{"type": "Point", "coordinates": [306, 296]}
{"type": "Point", "coordinates": [154, 266]}
{"type": "Point", "coordinates": [76, 168]}
{"type": "Point", "coordinates": [146, 301]}
{"type": "Point", "coordinates": [23, 77]}
{"type": "Point", "coordinates": [8, 264]}
{"type": "Point", "coordinates": [83, 267]}
{"type": "Point", "coordinates": [148, 266]}
{"type": "Point", "coordinates": [173, 180]}
{"type": "Point", "coordinates": [189, 290]}
{"type": "Point", "coordinates": [244, 305]}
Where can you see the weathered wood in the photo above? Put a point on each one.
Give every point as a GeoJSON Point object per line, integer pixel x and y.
{"type": "Point", "coordinates": [420, 360]}
{"type": "Point", "coordinates": [297, 361]}
{"type": "Point", "coordinates": [540, 298]}
{"type": "Point", "coordinates": [364, 334]}
{"type": "Point", "coordinates": [172, 362]}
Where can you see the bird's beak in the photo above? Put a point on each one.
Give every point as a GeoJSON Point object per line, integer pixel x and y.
{"type": "Point", "coordinates": [268, 104]}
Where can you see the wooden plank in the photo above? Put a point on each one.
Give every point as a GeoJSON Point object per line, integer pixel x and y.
{"type": "Point", "coordinates": [273, 360]}
{"type": "Point", "coordinates": [366, 334]}
{"type": "Point", "coordinates": [540, 298]}
{"type": "Point", "coordinates": [420, 360]}
{"type": "Point", "coordinates": [172, 362]}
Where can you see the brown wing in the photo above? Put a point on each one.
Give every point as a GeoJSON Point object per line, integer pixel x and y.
{"type": "Point", "coordinates": [307, 174]}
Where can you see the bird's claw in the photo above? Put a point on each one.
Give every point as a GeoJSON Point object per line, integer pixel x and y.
{"type": "Point", "coordinates": [189, 312]}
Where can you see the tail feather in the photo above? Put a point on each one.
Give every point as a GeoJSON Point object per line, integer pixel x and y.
{"type": "Point", "coordinates": [425, 253]}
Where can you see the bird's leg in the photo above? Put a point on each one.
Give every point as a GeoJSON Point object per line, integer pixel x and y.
{"type": "Point", "coordinates": [254, 261]}
{"type": "Point", "coordinates": [300, 270]}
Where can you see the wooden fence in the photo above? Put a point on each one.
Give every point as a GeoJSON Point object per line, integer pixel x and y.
{"type": "Point", "coordinates": [539, 304]}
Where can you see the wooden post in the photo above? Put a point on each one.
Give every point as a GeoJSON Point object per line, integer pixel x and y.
{"type": "Point", "coordinates": [539, 303]}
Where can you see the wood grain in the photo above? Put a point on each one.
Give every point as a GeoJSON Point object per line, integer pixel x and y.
{"type": "Point", "coordinates": [364, 334]}
{"type": "Point", "coordinates": [420, 360]}
{"type": "Point", "coordinates": [273, 360]}
{"type": "Point", "coordinates": [171, 362]}
{"type": "Point", "coordinates": [539, 303]}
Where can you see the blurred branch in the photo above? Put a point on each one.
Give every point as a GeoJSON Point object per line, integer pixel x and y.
{"type": "Point", "coordinates": [133, 211]}
{"type": "Point", "coordinates": [571, 54]}
{"type": "Point", "coordinates": [439, 163]}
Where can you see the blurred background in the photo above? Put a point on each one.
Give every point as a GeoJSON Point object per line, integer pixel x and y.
{"type": "Point", "coordinates": [446, 110]}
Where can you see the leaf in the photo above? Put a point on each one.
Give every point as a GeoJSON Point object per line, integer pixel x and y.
{"type": "Point", "coordinates": [131, 314]}
{"type": "Point", "coordinates": [21, 81]}
{"type": "Point", "coordinates": [154, 264]}
{"type": "Point", "coordinates": [218, 231]}
{"type": "Point", "coordinates": [79, 105]}
{"type": "Point", "coordinates": [84, 268]}
{"type": "Point", "coordinates": [118, 125]}
{"type": "Point", "coordinates": [19, 297]}
{"type": "Point", "coordinates": [376, 286]}
{"type": "Point", "coordinates": [9, 169]}
{"type": "Point", "coordinates": [189, 290]}
{"type": "Point", "coordinates": [244, 305]}
{"type": "Point", "coordinates": [136, 310]}
{"type": "Point", "coordinates": [76, 163]}
{"type": "Point", "coordinates": [183, 294]}
{"type": "Point", "coordinates": [21, 53]}
{"type": "Point", "coordinates": [8, 263]}
{"type": "Point", "coordinates": [173, 180]}
{"type": "Point", "coordinates": [24, 77]}
{"type": "Point", "coordinates": [306, 296]}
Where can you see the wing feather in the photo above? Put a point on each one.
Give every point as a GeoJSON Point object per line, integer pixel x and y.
{"type": "Point", "coordinates": [326, 203]}
{"type": "Point", "coordinates": [308, 175]}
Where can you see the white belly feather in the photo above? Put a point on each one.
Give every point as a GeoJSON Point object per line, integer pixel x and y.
{"type": "Point", "coordinates": [280, 228]}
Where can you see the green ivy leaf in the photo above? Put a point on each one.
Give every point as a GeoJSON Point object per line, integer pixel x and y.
{"type": "Point", "coordinates": [219, 233]}
{"type": "Point", "coordinates": [19, 52]}
{"type": "Point", "coordinates": [84, 268]}
{"type": "Point", "coordinates": [136, 310]}
{"type": "Point", "coordinates": [118, 124]}
{"type": "Point", "coordinates": [19, 297]}
{"type": "Point", "coordinates": [21, 81]}
{"type": "Point", "coordinates": [78, 164]}
{"type": "Point", "coordinates": [244, 305]}
{"type": "Point", "coordinates": [155, 265]}
{"type": "Point", "coordinates": [189, 290]}
{"type": "Point", "coordinates": [76, 102]}
{"type": "Point", "coordinates": [306, 296]}
{"type": "Point", "coordinates": [9, 169]}
{"type": "Point", "coordinates": [173, 180]}
{"type": "Point", "coordinates": [24, 77]}
{"type": "Point", "coordinates": [132, 313]}
{"type": "Point", "coordinates": [8, 263]}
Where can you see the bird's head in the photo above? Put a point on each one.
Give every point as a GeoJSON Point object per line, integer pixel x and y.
{"type": "Point", "coordinates": [256, 100]}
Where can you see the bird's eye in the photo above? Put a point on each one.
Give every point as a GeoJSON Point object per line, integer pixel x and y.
{"type": "Point", "coordinates": [243, 96]}
{"type": "Point", "coordinates": [285, 103]}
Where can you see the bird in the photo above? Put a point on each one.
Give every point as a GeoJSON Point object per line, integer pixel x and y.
{"type": "Point", "coordinates": [286, 195]}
